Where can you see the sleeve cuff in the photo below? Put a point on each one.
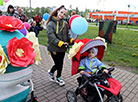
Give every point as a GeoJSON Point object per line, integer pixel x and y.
{"type": "Point", "coordinates": [71, 40]}
{"type": "Point", "coordinates": [60, 43]}
{"type": "Point", "coordinates": [81, 68]}
{"type": "Point", "coordinates": [103, 66]}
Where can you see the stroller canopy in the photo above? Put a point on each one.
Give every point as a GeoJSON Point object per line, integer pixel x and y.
{"type": "Point", "coordinates": [88, 43]}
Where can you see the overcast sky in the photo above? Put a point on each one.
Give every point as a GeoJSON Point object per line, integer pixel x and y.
{"type": "Point", "coordinates": [106, 5]}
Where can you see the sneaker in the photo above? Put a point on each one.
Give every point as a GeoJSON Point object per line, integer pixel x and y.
{"type": "Point", "coordinates": [60, 82]}
{"type": "Point", "coordinates": [51, 76]}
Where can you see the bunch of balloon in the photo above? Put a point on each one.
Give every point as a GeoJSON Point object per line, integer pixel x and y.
{"type": "Point", "coordinates": [45, 16]}
{"type": "Point", "coordinates": [26, 27]}
{"type": "Point", "coordinates": [78, 24]}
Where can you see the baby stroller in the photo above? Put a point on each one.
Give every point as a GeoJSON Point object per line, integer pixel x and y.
{"type": "Point", "coordinates": [13, 88]}
{"type": "Point", "coordinates": [107, 88]}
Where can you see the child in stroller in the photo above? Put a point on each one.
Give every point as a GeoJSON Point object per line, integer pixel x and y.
{"type": "Point", "coordinates": [91, 65]}
{"type": "Point", "coordinates": [95, 81]}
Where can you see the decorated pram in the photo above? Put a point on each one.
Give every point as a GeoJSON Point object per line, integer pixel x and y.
{"type": "Point", "coordinates": [17, 54]}
{"type": "Point", "coordinates": [93, 87]}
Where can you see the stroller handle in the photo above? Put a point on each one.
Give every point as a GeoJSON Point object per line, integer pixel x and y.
{"type": "Point", "coordinates": [66, 46]}
{"type": "Point", "coordinates": [98, 76]}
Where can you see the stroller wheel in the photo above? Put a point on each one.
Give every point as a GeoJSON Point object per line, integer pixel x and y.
{"type": "Point", "coordinates": [120, 98]}
{"type": "Point", "coordinates": [34, 99]}
{"type": "Point", "coordinates": [115, 99]}
{"type": "Point", "coordinates": [71, 96]}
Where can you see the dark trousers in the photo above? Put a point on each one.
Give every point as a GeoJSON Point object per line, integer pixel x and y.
{"type": "Point", "coordinates": [58, 61]}
{"type": "Point", "coordinates": [37, 24]}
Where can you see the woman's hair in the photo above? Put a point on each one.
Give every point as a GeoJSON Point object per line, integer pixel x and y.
{"type": "Point", "coordinates": [54, 13]}
{"type": "Point", "coordinates": [8, 10]}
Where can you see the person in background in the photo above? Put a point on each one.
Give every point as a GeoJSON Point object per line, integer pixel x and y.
{"type": "Point", "coordinates": [35, 28]}
{"type": "Point", "coordinates": [37, 18]}
{"type": "Point", "coordinates": [10, 11]}
{"type": "Point", "coordinates": [72, 35]}
{"type": "Point", "coordinates": [58, 38]}
{"type": "Point", "coordinates": [96, 21]}
{"type": "Point", "coordinates": [20, 14]}
{"type": "Point", "coordinates": [0, 13]}
{"type": "Point", "coordinates": [44, 24]}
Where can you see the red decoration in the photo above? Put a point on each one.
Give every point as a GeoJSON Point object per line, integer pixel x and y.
{"type": "Point", "coordinates": [20, 52]}
{"type": "Point", "coordinates": [10, 23]}
{"type": "Point", "coordinates": [0, 59]}
{"type": "Point", "coordinates": [72, 18]}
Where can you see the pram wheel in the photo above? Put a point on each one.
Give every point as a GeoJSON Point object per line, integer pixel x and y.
{"type": "Point", "coordinates": [34, 99]}
{"type": "Point", "coordinates": [71, 96]}
{"type": "Point", "coordinates": [120, 98]}
{"type": "Point", "coordinates": [114, 98]}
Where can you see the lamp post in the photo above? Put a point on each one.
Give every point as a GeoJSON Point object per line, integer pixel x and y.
{"type": "Point", "coordinates": [128, 13]}
{"type": "Point", "coordinates": [30, 8]}
{"type": "Point", "coordinates": [128, 16]}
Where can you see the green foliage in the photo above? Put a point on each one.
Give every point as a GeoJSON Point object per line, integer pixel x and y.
{"type": "Point", "coordinates": [35, 11]}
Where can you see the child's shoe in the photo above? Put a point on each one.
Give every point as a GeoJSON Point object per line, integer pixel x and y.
{"type": "Point", "coordinates": [60, 82]}
{"type": "Point", "coordinates": [51, 76]}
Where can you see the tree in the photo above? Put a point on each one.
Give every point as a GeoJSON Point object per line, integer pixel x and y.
{"type": "Point", "coordinates": [77, 10]}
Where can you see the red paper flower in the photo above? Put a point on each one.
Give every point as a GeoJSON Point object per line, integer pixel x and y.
{"type": "Point", "coordinates": [20, 52]}
{"type": "Point", "coordinates": [10, 23]}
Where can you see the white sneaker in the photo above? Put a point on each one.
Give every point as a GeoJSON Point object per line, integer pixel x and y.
{"type": "Point", "coordinates": [60, 82]}
{"type": "Point", "coordinates": [51, 76]}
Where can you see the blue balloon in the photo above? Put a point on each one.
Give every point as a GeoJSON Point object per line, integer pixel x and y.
{"type": "Point", "coordinates": [79, 26]}
{"type": "Point", "coordinates": [46, 16]}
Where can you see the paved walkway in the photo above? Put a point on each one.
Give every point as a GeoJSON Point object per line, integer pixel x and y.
{"type": "Point", "coordinates": [48, 91]}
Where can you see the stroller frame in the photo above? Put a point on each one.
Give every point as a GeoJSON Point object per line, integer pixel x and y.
{"type": "Point", "coordinates": [72, 96]}
{"type": "Point", "coordinates": [83, 52]}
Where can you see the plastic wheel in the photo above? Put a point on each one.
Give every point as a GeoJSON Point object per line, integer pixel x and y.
{"type": "Point", "coordinates": [114, 98]}
{"type": "Point", "coordinates": [120, 98]}
{"type": "Point", "coordinates": [34, 99]}
{"type": "Point", "coordinates": [71, 96]}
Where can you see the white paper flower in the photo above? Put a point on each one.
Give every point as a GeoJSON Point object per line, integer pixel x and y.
{"type": "Point", "coordinates": [75, 48]}
{"type": "Point", "coordinates": [3, 61]}
{"type": "Point", "coordinates": [31, 36]}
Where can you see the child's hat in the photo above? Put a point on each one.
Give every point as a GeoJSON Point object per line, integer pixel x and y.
{"type": "Point", "coordinates": [95, 50]}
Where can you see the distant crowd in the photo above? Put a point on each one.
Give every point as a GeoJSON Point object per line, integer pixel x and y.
{"type": "Point", "coordinates": [35, 21]}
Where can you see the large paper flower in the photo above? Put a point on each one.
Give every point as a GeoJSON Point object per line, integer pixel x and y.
{"type": "Point", "coordinates": [31, 36]}
{"type": "Point", "coordinates": [3, 61]}
{"type": "Point", "coordinates": [10, 23]}
{"type": "Point", "coordinates": [20, 52]}
{"type": "Point", "coordinates": [75, 48]}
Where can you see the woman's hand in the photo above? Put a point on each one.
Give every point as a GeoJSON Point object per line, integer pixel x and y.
{"type": "Point", "coordinates": [105, 70]}
{"type": "Point", "coordinates": [66, 43]}
{"type": "Point", "coordinates": [54, 53]}
{"type": "Point", "coordinates": [82, 72]}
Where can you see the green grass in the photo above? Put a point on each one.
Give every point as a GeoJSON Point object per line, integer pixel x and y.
{"type": "Point", "coordinates": [128, 26]}
{"type": "Point", "coordinates": [123, 50]}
